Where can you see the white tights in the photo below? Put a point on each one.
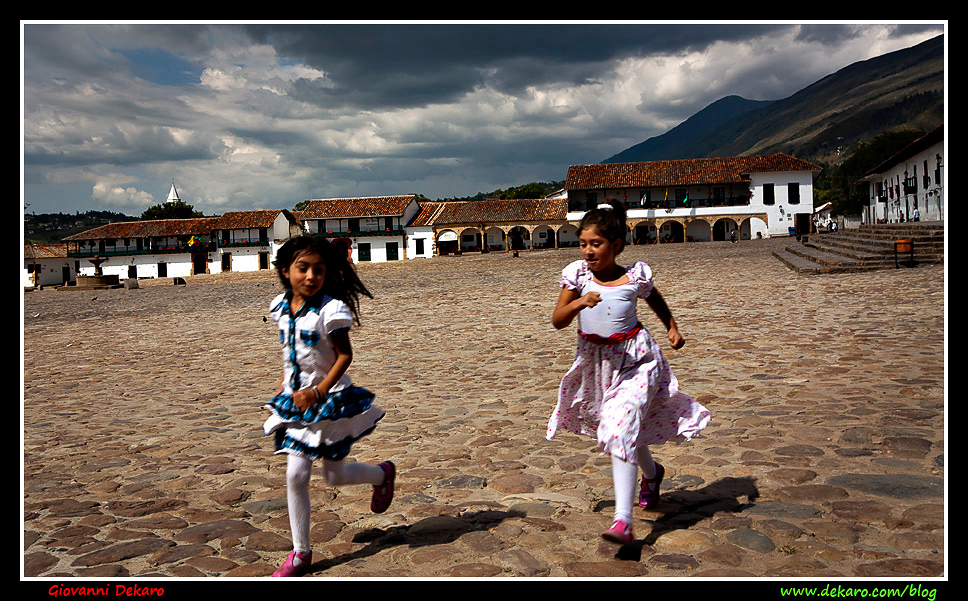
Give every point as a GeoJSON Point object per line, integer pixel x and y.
{"type": "Point", "coordinates": [337, 473]}
{"type": "Point", "coordinates": [624, 476]}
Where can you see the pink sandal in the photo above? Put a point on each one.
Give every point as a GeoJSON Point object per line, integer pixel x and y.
{"type": "Point", "coordinates": [383, 493]}
{"type": "Point", "coordinates": [649, 494]}
{"type": "Point", "coordinates": [620, 533]}
{"type": "Point", "coordinates": [289, 570]}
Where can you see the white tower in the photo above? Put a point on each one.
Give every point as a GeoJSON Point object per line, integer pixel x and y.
{"type": "Point", "coordinates": [173, 194]}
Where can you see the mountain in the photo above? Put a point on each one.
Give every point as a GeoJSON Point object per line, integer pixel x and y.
{"type": "Point", "coordinates": [680, 141]}
{"type": "Point", "coordinates": [896, 91]}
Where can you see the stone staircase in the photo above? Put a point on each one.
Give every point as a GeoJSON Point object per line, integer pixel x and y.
{"type": "Point", "coordinates": [867, 248]}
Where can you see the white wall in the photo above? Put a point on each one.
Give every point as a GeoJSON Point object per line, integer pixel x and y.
{"type": "Point", "coordinates": [47, 272]}
{"type": "Point", "coordinates": [378, 248]}
{"type": "Point", "coordinates": [178, 265]}
{"type": "Point", "coordinates": [242, 258]}
{"type": "Point", "coordinates": [281, 229]}
{"type": "Point", "coordinates": [781, 214]}
{"type": "Point", "coordinates": [424, 233]}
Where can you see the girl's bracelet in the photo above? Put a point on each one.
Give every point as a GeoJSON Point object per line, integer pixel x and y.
{"type": "Point", "coordinates": [316, 392]}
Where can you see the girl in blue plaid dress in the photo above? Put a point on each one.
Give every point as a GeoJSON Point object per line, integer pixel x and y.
{"type": "Point", "coordinates": [318, 412]}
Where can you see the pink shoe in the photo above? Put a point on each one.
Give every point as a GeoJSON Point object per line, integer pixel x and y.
{"type": "Point", "coordinates": [383, 493]}
{"type": "Point", "coordinates": [620, 533]}
{"type": "Point", "coordinates": [649, 494]}
{"type": "Point", "coordinates": [289, 570]}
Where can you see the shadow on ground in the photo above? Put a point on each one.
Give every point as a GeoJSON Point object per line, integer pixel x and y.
{"type": "Point", "coordinates": [436, 530]}
{"type": "Point", "coordinates": [684, 508]}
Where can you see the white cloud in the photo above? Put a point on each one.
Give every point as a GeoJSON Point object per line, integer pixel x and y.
{"type": "Point", "coordinates": [117, 197]}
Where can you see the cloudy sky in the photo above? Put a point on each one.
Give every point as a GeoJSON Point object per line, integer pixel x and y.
{"type": "Point", "coordinates": [253, 116]}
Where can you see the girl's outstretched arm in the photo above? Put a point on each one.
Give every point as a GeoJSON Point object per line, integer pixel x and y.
{"type": "Point", "coordinates": [307, 397]}
{"type": "Point", "coordinates": [569, 305]}
{"type": "Point", "coordinates": [661, 309]}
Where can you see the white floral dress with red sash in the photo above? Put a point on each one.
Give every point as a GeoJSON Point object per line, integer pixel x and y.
{"type": "Point", "coordinates": [620, 388]}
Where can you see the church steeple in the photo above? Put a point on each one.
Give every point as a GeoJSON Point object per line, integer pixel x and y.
{"type": "Point", "coordinates": [173, 194]}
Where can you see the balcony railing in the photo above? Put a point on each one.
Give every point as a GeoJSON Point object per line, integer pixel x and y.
{"type": "Point", "coordinates": [159, 249]}
{"type": "Point", "coordinates": [242, 243]}
{"type": "Point", "coordinates": [359, 233]}
{"type": "Point", "coordinates": [692, 203]}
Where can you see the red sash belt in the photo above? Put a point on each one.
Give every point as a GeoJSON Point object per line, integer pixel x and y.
{"type": "Point", "coordinates": [614, 338]}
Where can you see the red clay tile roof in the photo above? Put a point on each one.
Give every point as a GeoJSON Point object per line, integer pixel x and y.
{"type": "Point", "coordinates": [428, 213]}
{"type": "Point", "coordinates": [45, 251]}
{"type": "Point", "coordinates": [374, 206]}
{"type": "Point", "coordinates": [234, 220]}
{"type": "Point", "coordinates": [149, 229]}
{"type": "Point", "coordinates": [685, 172]}
{"type": "Point", "coordinates": [180, 227]}
{"type": "Point", "coordinates": [491, 211]}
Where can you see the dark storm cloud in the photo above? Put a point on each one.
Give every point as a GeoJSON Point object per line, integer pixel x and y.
{"type": "Point", "coordinates": [834, 33]}
{"type": "Point", "coordinates": [379, 66]}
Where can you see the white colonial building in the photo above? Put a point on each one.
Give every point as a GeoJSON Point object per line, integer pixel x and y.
{"type": "Point", "coordinates": [46, 265]}
{"type": "Point", "coordinates": [701, 199]}
{"type": "Point", "coordinates": [374, 227]}
{"type": "Point", "coordinates": [236, 241]}
{"type": "Point", "coordinates": [491, 225]}
{"type": "Point", "coordinates": [912, 179]}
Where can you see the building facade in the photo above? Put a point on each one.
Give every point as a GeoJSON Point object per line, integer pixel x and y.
{"type": "Point", "coordinates": [911, 180]}
{"type": "Point", "coordinates": [490, 225]}
{"type": "Point", "coordinates": [47, 265]}
{"type": "Point", "coordinates": [236, 241]}
{"type": "Point", "coordinates": [701, 199]}
{"type": "Point", "coordinates": [373, 228]}
{"type": "Point", "coordinates": [668, 201]}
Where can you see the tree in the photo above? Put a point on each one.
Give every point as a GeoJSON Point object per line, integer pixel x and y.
{"type": "Point", "coordinates": [532, 190]}
{"type": "Point", "coordinates": [843, 186]}
{"type": "Point", "coordinates": [171, 210]}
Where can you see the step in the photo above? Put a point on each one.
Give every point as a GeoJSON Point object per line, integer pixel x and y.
{"type": "Point", "coordinates": [864, 254]}
{"type": "Point", "coordinates": [860, 246]}
{"type": "Point", "coordinates": [900, 232]}
{"type": "Point", "coordinates": [928, 242]}
{"type": "Point", "coordinates": [906, 226]}
{"type": "Point", "coordinates": [822, 256]}
{"type": "Point", "coordinates": [802, 265]}
{"type": "Point", "coordinates": [865, 249]}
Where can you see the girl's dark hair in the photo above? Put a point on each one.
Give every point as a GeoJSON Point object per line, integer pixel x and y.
{"type": "Point", "coordinates": [610, 222]}
{"type": "Point", "coordinates": [341, 281]}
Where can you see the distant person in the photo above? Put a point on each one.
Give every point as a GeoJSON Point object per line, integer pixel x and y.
{"type": "Point", "coordinates": [732, 236]}
{"type": "Point", "coordinates": [318, 413]}
{"type": "Point", "coordinates": [620, 388]}
{"type": "Point", "coordinates": [916, 215]}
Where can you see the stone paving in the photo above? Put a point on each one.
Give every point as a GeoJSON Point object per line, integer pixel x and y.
{"type": "Point", "coordinates": [143, 454]}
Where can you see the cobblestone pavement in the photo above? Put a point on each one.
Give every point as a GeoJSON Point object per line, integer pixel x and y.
{"type": "Point", "coordinates": [143, 453]}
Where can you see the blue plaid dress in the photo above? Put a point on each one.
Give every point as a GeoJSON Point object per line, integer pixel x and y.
{"type": "Point", "coordinates": [329, 428]}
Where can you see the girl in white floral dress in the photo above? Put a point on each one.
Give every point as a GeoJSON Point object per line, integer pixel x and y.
{"type": "Point", "coordinates": [620, 388]}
